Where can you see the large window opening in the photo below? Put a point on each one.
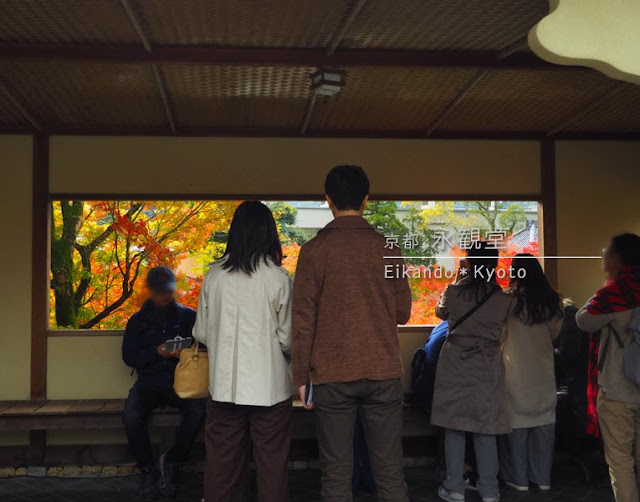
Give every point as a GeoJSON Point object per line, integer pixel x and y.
{"type": "Point", "coordinates": [101, 250]}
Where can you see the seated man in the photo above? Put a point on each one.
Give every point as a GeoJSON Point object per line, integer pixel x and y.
{"type": "Point", "coordinates": [161, 318]}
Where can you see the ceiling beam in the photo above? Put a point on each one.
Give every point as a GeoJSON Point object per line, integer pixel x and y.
{"type": "Point", "coordinates": [289, 132]}
{"type": "Point", "coordinates": [18, 105]}
{"type": "Point", "coordinates": [508, 51]}
{"type": "Point", "coordinates": [475, 80]}
{"type": "Point", "coordinates": [146, 43]}
{"type": "Point", "coordinates": [585, 110]}
{"type": "Point", "coordinates": [225, 132]}
{"type": "Point", "coordinates": [268, 57]}
{"type": "Point", "coordinates": [137, 25]}
{"type": "Point", "coordinates": [164, 96]}
{"type": "Point", "coordinates": [308, 112]}
{"type": "Point", "coordinates": [335, 41]}
{"type": "Point", "coordinates": [518, 45]}
{"type": "Point", "coordinates": [346, 23]}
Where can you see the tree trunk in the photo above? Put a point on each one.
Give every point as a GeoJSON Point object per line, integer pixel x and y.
{"type": "Point", "coordinates": [62, 249]}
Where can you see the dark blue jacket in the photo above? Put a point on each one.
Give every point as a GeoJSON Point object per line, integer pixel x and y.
{"type": "Point", "coordinates": [148, 328]}
{"type": "Point", "coordinates": [432, 353]}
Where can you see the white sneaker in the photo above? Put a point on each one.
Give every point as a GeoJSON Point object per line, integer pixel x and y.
{"type": "Point", "coordinates": [544, 488]}
{"type": "Point", "coordinates": [491, 499]}
{"type": "Point", "coordinates": [520, 488]}
{"type": "Point", "coordinates": [450, 495]}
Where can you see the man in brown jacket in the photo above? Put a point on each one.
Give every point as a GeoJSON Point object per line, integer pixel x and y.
{"type": "Point", "coordinates": [347, 303]}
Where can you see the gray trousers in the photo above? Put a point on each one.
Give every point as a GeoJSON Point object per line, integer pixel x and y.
{"type": "Point", "coordinates": [380, 405]}
{"type": "Point", "coordinates": [526, 455]}
{"type": "Point", "coordinates": [486, 452]}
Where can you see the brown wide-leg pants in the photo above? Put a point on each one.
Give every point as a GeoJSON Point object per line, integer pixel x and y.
{"type": "Point", "coordinates": [228, 430]}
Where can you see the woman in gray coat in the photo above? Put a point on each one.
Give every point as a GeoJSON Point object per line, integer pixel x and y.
{"type": "Point", "coordinates": [470, 393]}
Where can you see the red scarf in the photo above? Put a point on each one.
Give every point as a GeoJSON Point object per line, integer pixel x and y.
{"type": "Point", "coordinates": [619, 293]}
{"type": "Point", "coordinates": [593, 427]}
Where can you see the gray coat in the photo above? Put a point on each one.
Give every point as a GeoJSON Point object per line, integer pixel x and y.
{"type": "Point", "coordinates": [470, 392]}
{"type": "Point", "coordinates": [611, 379]}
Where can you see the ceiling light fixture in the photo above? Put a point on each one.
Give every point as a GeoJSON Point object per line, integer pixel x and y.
{"type": "Point", "coordinates": [327, 81]}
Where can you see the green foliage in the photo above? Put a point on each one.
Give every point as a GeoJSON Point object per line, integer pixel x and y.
{"type": "Point", "coordinates": [513, 218]}
{"type": "Point", "coordinates": [286, 217]}
{"type": "Point", "coordinates": [498, 215]}
{"type": "Point", "coordinates": [381, 215]}
{"type": "Point", "coordinates": [415, 238]}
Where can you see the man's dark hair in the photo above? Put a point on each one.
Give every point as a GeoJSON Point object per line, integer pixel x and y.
{"type": "Point", "coordinates": [253, 236]}
{"type": "Point", "coordinates": [347, 186]}
{"type": "Point", "coordinates": [627, 246]}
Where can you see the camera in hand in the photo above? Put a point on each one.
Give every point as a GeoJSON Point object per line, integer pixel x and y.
{"type": "Point", "coordinates": [178, 343]}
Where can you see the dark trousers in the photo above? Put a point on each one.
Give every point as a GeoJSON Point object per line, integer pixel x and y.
{"type": "Point", "coordinates": [380, 406]}
{"type": "Point", "coordinates": [228, 430]}
{"type": "Point", "coordinates": [362, 470]}
{"type": "Point", "coordinates": [143, 398]}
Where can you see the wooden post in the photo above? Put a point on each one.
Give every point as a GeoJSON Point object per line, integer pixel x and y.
{"type": "Point", "coordinates": [549, 216]}
{"type": "Point", "coordinates": [40, 266]}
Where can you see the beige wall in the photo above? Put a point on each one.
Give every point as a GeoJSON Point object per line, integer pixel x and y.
{"type": "Point", "coordinates": [289, 166]}
{"type": "Point", "coordinates": [86, 367]}
{"type": "Point", "coordinates": [15, 256]}
{"type": "Point", "coordinates": [598, 195]}
{"type": "Point", "coordinates": [262, 166]}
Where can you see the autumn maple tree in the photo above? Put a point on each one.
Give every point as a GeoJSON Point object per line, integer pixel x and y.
{"type": "Point", "coordinates": [101, 250]}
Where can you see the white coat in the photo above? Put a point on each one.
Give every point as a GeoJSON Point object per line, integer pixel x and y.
{"type": "Point", "coordinates": [245, 321]}
{"type": "Point", "coordinates": [529, 368]}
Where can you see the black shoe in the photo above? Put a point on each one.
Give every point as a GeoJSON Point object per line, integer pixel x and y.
{"type": "Point", "coordinates": [471, 479]}
{"type": "Point", "coordinates": [148, 481]}
{"type": "Point", "coordinates": [169, 472]}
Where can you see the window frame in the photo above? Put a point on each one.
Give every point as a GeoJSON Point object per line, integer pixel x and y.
{"type": "Point", "coordinates": [420, 328]}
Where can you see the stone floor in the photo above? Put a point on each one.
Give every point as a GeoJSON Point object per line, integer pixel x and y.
{"type": "Point", "coordinates": [305, 487]}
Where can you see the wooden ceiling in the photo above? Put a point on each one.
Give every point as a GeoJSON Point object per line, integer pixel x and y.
{"type": "Point", "coordinates": [414, 68]}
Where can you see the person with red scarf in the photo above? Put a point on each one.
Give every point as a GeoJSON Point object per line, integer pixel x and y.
{"type": "Point", "coordinates": [618, 403]}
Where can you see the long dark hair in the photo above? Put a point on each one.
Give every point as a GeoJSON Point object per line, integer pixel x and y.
{"type": "Point", "coordinates": [253, 236]}
{"type": "Point", "coordinates": [537, 301]}
{"type": "Point", "coordinates": [481, 262]}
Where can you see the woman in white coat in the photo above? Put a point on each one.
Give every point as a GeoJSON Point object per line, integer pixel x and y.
{"type": "Point", "coordinates": [534, 322]}
{"type": "Point", "coordinates": [244, 318]}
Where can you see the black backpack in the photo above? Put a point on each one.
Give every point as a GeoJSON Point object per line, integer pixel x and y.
{"type": "Point", "coordinates": [420, 393]}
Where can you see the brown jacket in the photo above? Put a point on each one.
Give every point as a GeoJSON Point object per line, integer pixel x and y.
{"type": "Point", "coordinates": [345, 312]}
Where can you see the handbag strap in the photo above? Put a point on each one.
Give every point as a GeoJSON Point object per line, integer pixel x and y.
{"type": "Point", "coordinates": [474, 309]}
{"type": "Point", "coordinates": [605, 347]}
{"type": "Point", "coordinates": [616, 335]}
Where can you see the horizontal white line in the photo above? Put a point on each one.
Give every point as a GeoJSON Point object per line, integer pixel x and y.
{"type": "Point", "coordinates": [501, 257]}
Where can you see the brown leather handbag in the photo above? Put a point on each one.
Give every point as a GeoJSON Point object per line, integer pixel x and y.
{"type": "Point", "coordinates": [191, 379]}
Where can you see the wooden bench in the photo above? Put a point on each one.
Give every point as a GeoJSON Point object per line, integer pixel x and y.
{"type": "Point", "coordinates": [97, 414]}
{"type": "Point", "coordinates": [73, 414]}
{"type": "Point", "coordinates": [37, 417]}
